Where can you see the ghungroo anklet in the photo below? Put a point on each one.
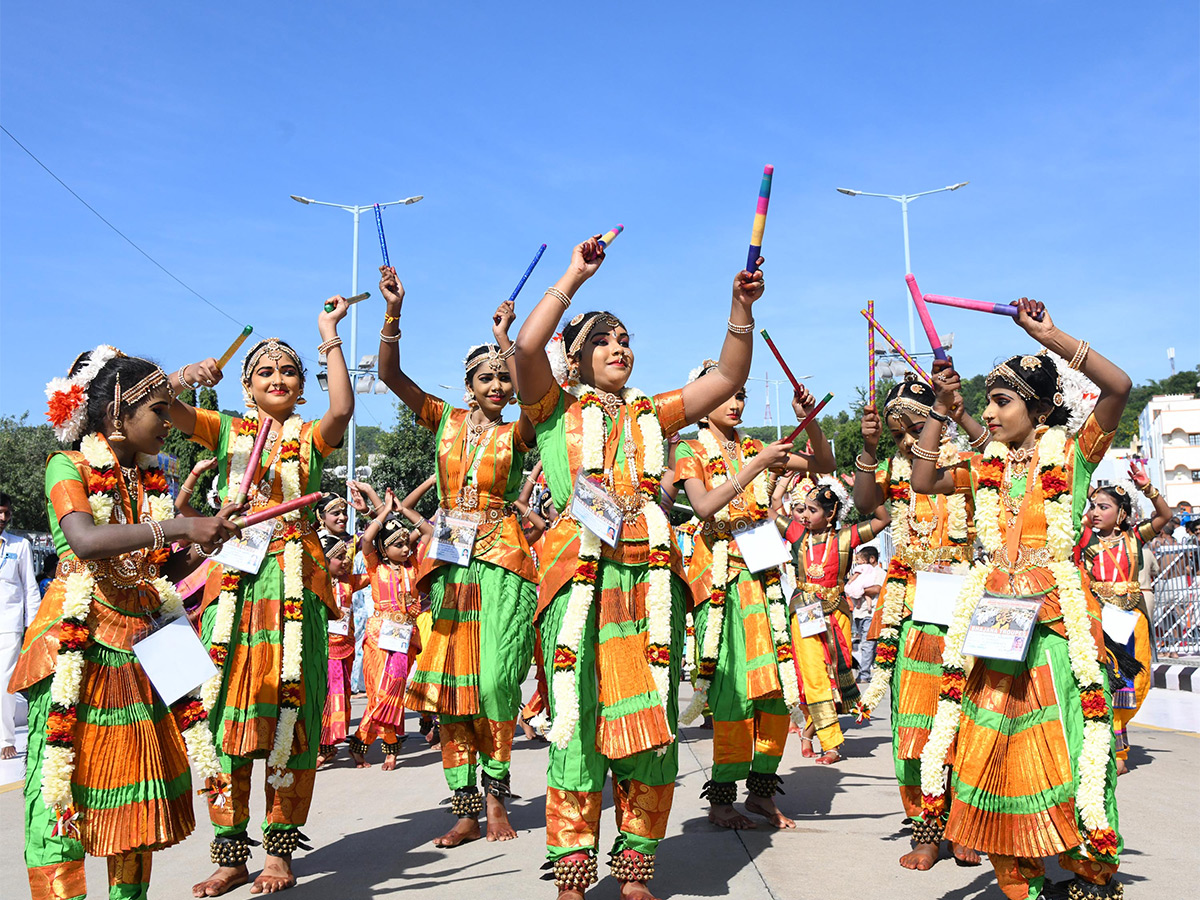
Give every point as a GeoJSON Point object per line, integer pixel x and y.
{"type": "Point", "coordinates": [327, 750]}
{"type": "Point", "coordinates": [763, 785]}
{"type": "Point", "coordinates": [467, 803]}
{"type": "Point", "coordinates": [283, 842]}
{"type": "Point", "coordinates": [719, 793]}
{"type": "Point", "coordinates": [497, 787]}
{"type": "Point", "coordinates": [632, 865]}
{"type": "Point", "coordinates": [230, 850]}
{"type": "Point", "coordinates": [1078, 889]}
{"type": "Point", "coordinates": [575, 871]}
{"type": "Point", "coordinates": [927, 832]}
{"type": "Point", "coordinates": [358, 745]}
{"type": "Point", "coordinates": [391, 748]}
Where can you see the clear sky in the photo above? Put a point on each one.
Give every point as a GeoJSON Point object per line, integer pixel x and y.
{"type": "Point", "coordinates": [188, 126]}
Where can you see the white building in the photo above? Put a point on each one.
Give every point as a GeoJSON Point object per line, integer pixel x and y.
{"type": "Point", "coordinates": [1170, 440]}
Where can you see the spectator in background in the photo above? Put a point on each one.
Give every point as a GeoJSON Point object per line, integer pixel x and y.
{"type": "Point", "coordinates": [862, 588]}
{"type": "Point", "coordinates": [49, 567]}
{"type": "Point", "coordinates": [19, 602]}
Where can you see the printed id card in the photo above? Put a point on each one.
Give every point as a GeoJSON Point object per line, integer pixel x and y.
{"type": "Point", "coordinates": [1001, 627]}
{"type": "Point", "coordinates": [936, 595]}
{"type": "Point", "coordinates": [762, 547]}
{"type": "Point", "coordinates": [596, 511]}
{"type": "Point", "coordinates": [341, 626]}
{"type": "Point", "coordinates": [453, 538]}
{"type": "Point", "coordinates": [247, 552]}
{"type": "Point", "coordinates": [174, 659]}
{"type": "Point", "coordinates": [810, 619]}
{"type": "Point", "coordinates": [394, 636]}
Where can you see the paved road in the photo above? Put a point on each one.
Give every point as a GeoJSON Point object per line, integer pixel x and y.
{"type": "Point", "coordinates": [371, 831]}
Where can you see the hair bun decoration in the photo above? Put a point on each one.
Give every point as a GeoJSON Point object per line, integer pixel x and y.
{"type": "Point", "coordinates": [67, 398]}
{"type": "Point", "coordinates": [701, 370]}
{"type": "Point", "coordinates": [557, 352]}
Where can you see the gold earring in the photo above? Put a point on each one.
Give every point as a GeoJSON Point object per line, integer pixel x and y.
{"type": "Point", "coordinates": [117, 437]}
{"type": "Point", "coordinates": [1042, 419]}
{"type": "Point", "coordinates": [512, 400]}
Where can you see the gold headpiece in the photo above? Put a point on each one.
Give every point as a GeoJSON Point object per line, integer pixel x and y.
{"type": "Point", "coordinates": [145, 387]}
{"type": "Point", "coordinates": [493, 359]}
{"type": "Point", "coordinates": [1004, 374]}
{"type": "Point", "coordinates": [902, 405]}
{"type": "Point", "coordinates": [275, 350]}
{"type": "Point", "coordinates": [596, 318]}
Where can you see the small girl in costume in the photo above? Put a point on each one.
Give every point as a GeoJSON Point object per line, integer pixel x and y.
{"type": "Point", "coordinates": [107, 771]}
{"type": "Point", "coordinates": [335, 719]}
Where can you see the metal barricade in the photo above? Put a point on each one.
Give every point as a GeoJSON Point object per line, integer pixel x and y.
{"type": "Point", "coordinates": [1176, 625]}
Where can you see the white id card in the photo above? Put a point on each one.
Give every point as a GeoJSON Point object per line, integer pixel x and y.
{"type": "Point", "coordinates": [453, 538]}
{"type": "Point", "coordinates": [174, 660]}
{"type": "Point", "coordinates": [596, 511]}
{"type": "Point", "coordinates": [247, 552]}
{"type": "Point", "coordinates": [394, 636]}
{"type": "Point", "coordinates": [1118, 623]}
{"type": "Point", "coordinates": [1001, 627]}
{"type": "Point", "coordinates": [341, 626]}
{"type": "Point", "coordinates": [810, 619]}
{"type": "Point", "coordinates": [936, 595]}
{"type": "Point", "coordinates": [762, 547]}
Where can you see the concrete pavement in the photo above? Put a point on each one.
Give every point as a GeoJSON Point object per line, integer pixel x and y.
{"type": "Point", "coordinates": [371, 832]}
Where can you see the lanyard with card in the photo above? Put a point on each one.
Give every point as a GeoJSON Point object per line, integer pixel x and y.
{"type": "Point", "coordinates": [591, 505]}
{"type": "Point", "coordinates": [810, 619]}
{"type": "Point", "coordinates": [1118, 623]}
{"type": "Point", "coordinates": [341, 626]}
{"type": "Point", "coordinates": [1001, 627]}
{"type": "Point", "coordinates": [453, 538]}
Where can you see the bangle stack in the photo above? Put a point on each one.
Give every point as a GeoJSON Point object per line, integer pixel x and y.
{"type": "Point", "coordinates": [861, 466]}
{"type": "Point", "coordinates": [737, 484]}
{"type": "Point", "coordinates": [1150, 492]}
{"type": "Point", "coordinates": [160, 538]}
{"type": "Point", "coordinates": [326, 346]}
{"type": "Point", "coordinates": [921, 453]}
{"type": "Point", "coordinates": [512, 348]}
{"type": "Point", "coordinates": [741, 329]}
{"type": "Point", "coordinates": [390, 338]}
{"type": "Point", "coordinates": [981, 440]}
{"type": "Point", "coordinates": [182, 382]}
{"type": "Point", "coordinates": [1080, 356]}
{"type": "Point", "coordinates": [185, 491]}
{"type": "Point", "coordinates": [562, 298]}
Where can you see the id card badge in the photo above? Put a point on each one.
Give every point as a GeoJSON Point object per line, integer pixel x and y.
{"type": "Point", "coordinates": [596, 511]}
{"type": "Point", "coordinates": [1118, 623]}
{"type": "Point", "coordinates": [174, 659]}
{"type": "Point", "coordinates": [936, 595]}
{"type": "Point", "coordinates": [453, 538]}
{"type": "Point", "coordinates": [810, 619]}
{"type": "Point", "coordinates": [1001, 627]}
{"type": "Point", "coordinates": [762, 547]}
{"type": "Point", "coordinates": [246, 553]}
{"type": "Point", "coordinates": [341, 626]}
{"type": "Point", "coordinates": [394, 636]}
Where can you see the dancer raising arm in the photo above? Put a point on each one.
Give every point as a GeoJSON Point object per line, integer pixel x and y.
{"type": "Point", "coordinates": [482, 641]}
{"type": "Point", "coordinates": [746, 673]}
{"type": "Point", "coordinates": [107, 770]}
{"type": "Point", "coordinates": [273, 687]}
{"type": "Point", "coordinates": [1034, 772]}
{"type": "Point", "coordinates": [612, 617]}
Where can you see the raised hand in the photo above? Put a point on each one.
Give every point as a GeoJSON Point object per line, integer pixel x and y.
{"type": "Point", "coordinates": [327, 321]}
{"type": "Point", "coordinates": [775, 455]}
{"type": "Point", "coordinates": [390, 287]}
{"type": "Point", "coordinates": [947, 385]}
{"type": "Point", "coordinates": [586, 258]}
{"type": "Point", "coordinates": [204, 373]}
{"type": "Point", "coordinates": [872, 429]}
{"type": "Point", "coordinates": [1033, 317]}
{"type": "Point", "coordinates": [1138, 475]}
{"type": "Point", "coordinates": [357, 500]}
{"type": "Point", "coordinates": [748, 287]}
{"type": "Point", "coordinates": [504, 316]}
{"type": "Point", "coordinates": [803, 402]}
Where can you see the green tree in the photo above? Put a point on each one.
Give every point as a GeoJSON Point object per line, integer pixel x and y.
{"type": "Point", "coordinates": [189, 453]}
{"type": "Point", "coordinates": [407, 459]}
{"type": "Point", "coordinates": [24, 449]}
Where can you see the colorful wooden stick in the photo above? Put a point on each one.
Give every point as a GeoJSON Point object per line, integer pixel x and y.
{"type": "Point", "coordinates": [382, 239]}
{"type": "Point", "coordinates": [871, 355]}
{"type": "Point", "coordinates": [272, 511]}
{"type": "Point", "coordinates": [999, 309]}
{"type": "Point", "coordinates": [252, 464]}
{"type": "Point", "coordinates": [774, 349]}
{"type": "Point", "coordinates": [918, 299]}
{"type": "Point", "coordinates": [611, 236]}
{"type": "Point", "coordinates": [760, 220]}
{"type": "Point", "coordinates": [812, 415]}
{"type": "Point", "coordinates": [350, 301]}
{"type": "Point", "coordinates": [896, 346]}
{"type": "Point", "coordinates": [528, 272]}
{"type": "Point", "coordinates": [233, 348]}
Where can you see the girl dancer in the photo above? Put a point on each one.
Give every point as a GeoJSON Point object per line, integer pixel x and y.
{"type": "Point", "coordinates": [267, 631]}
{"type": "Point", "coordinates": [930, 534]}
{"type": "Point", "coordinates": [1112, 556]}
{"type": "Point", "coordinates": [1034, 772]}
{"type": "Point", "coordinates": [746, 674]}
{"type": "Point", "coordinates": [611, 617]}
{"type": "Point", "coordinates": [335, 719]}
{"type": "Point", "coordinates": [481, 644]}
{"type": "Point", "coordinates": [107, 771]}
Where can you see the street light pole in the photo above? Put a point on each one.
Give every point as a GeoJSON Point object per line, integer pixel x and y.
{"type": "Point", "coordinates": [904, 200]}
{"type": "Point", "coordinates": [357, 212]}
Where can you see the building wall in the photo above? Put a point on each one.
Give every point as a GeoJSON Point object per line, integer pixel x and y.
{"type": "Point", "coordinates": [1170, 440]}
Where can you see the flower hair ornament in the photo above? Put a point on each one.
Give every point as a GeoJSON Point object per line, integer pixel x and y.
{"type": "Point", "coordinates": [701, 370]}
{"type": "Point", "coordinates": [1122, 488]}
{"type": "Point", "coordinates": [831, 487]}
{"type": "Point", "coordinates": [67, 398]}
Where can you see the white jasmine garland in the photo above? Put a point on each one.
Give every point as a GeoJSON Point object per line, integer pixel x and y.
{"type": "Point", "coordinates": [291, 650]}
{"type": "Point", "coordinates": [96, 452]}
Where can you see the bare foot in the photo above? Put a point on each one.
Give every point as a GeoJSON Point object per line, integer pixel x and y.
{"type": "Point", "coordinates": [225, 879]}
{"type": "Point", "coordinates": [921, 857]}
{"type": "Point", "coordinates": [964, 856]}
{"type": "Point", "coordinates": [726, 816]}
{"type": "Point", "coordinates": [498, 826]}
{"type": "Point", "coordinates": [829, 757]}
{"type": "Point", "coordinates": [389, 762]}
{"type": "Point", "coordinates": [530, 734]}
{"type": "Point", "coordinates": [765, 806]}
{"type": "Point", "coordinates": [464, 830]}
{"type": "Point", "coordinates": [635, 890]}
{"type": "Point", "coordinates": [275, 876]}
{"type": "Point", "coordinates": [1122, 766]}
{"type": "Point", "coordinates": [9, 752]}
{"type": "Point", "coordinates": [360, 761]}
{"type": "Point", "coordinates": [806, 749]}
{"type": "Point", "coordinates": [570, 895]}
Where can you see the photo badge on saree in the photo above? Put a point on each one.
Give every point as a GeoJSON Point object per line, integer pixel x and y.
{"type": "Point", "coordinates": [453, 538]}
{"type": "Point", "coordinates": [174, 659]}
{"type": "Point", "coordinates": [395, 636]}
{"type": "Point", "coordinates": [341, 626]}
{"type": "Point", "coordinates": [810, 619]}
{"type": "Point", "coordinates": [595, 510]}
{"type": "Point", "coordinates": [247, 552]}
{"type": "Point", "coordinates": [1001, 627]}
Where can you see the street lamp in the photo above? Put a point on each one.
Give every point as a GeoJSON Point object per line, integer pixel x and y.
{"type": "Point", "coordinates": [356, 211]}
{"type": "Point", "coordinates": [904, 200]}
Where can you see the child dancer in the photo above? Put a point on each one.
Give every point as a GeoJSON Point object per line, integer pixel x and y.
{"type": "Point", "coordinates": [335, 719]}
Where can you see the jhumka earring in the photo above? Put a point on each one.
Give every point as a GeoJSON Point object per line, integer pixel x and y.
{"type": "Point", "coordinates": [116, 437]}
{"type": "Point", "coordinates": [247, 397]}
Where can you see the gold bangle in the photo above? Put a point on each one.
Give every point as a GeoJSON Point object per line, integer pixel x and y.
{"type": "Point", "coordinates": [512, 348]}
{"type": "Point", "coordinates": [326, 346]}
{"type": "Point", "coordinates": [981, 440]}
{"type": "Point", "coordinates": [387, 319]}
{"type": "Point", "coordinates": [389, 338]}
{"type": "Point", "coordinates": [737, 484]}
{"type": "Point", "coordinates": [1151, 492]}
{"type": "Point", "coordinates": [184, 491]}
{"type": "Point", "coordinates": [858, 464]}
{"type": "Point", "coordinates": [741, 329]}
{"type": "Point", "coordinates": [1081, 353]}
{"type": "Point", "coordinates": [921, 453]}
{"type": "Point", "coordinates": [562, 297]}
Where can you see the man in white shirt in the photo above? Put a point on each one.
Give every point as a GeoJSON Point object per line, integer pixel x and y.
{"type": "Point", "coordinates": [862, 588]}
{"type": "Point", "coordinates": [19, 602]}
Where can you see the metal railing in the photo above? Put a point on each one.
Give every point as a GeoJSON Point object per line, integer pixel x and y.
{"type": "Point", "coordinates": [1176, 616]}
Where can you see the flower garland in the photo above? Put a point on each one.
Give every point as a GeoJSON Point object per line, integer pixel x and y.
{"type": "Point", "coordinates": [1081, 646]}
{"type": "Point", "coordinates": [900, 585]}
{"type": "Point", "coordinates": [587, 567]}
{"type": "Point", "coordinates": [290, 688]}
{"type": "Point", "coordinates": [58, 766]}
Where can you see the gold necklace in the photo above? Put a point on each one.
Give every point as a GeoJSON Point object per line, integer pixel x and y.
{"type": "Point", "coordinates": [730, 449]}
{"type": "Point", "coordinates": [814, 569]}
{"type": "Point", "coordinates": [475, 432]}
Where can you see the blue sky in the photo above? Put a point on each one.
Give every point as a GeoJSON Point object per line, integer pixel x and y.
{"type": "Point", "coordinates": [189, 126]}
